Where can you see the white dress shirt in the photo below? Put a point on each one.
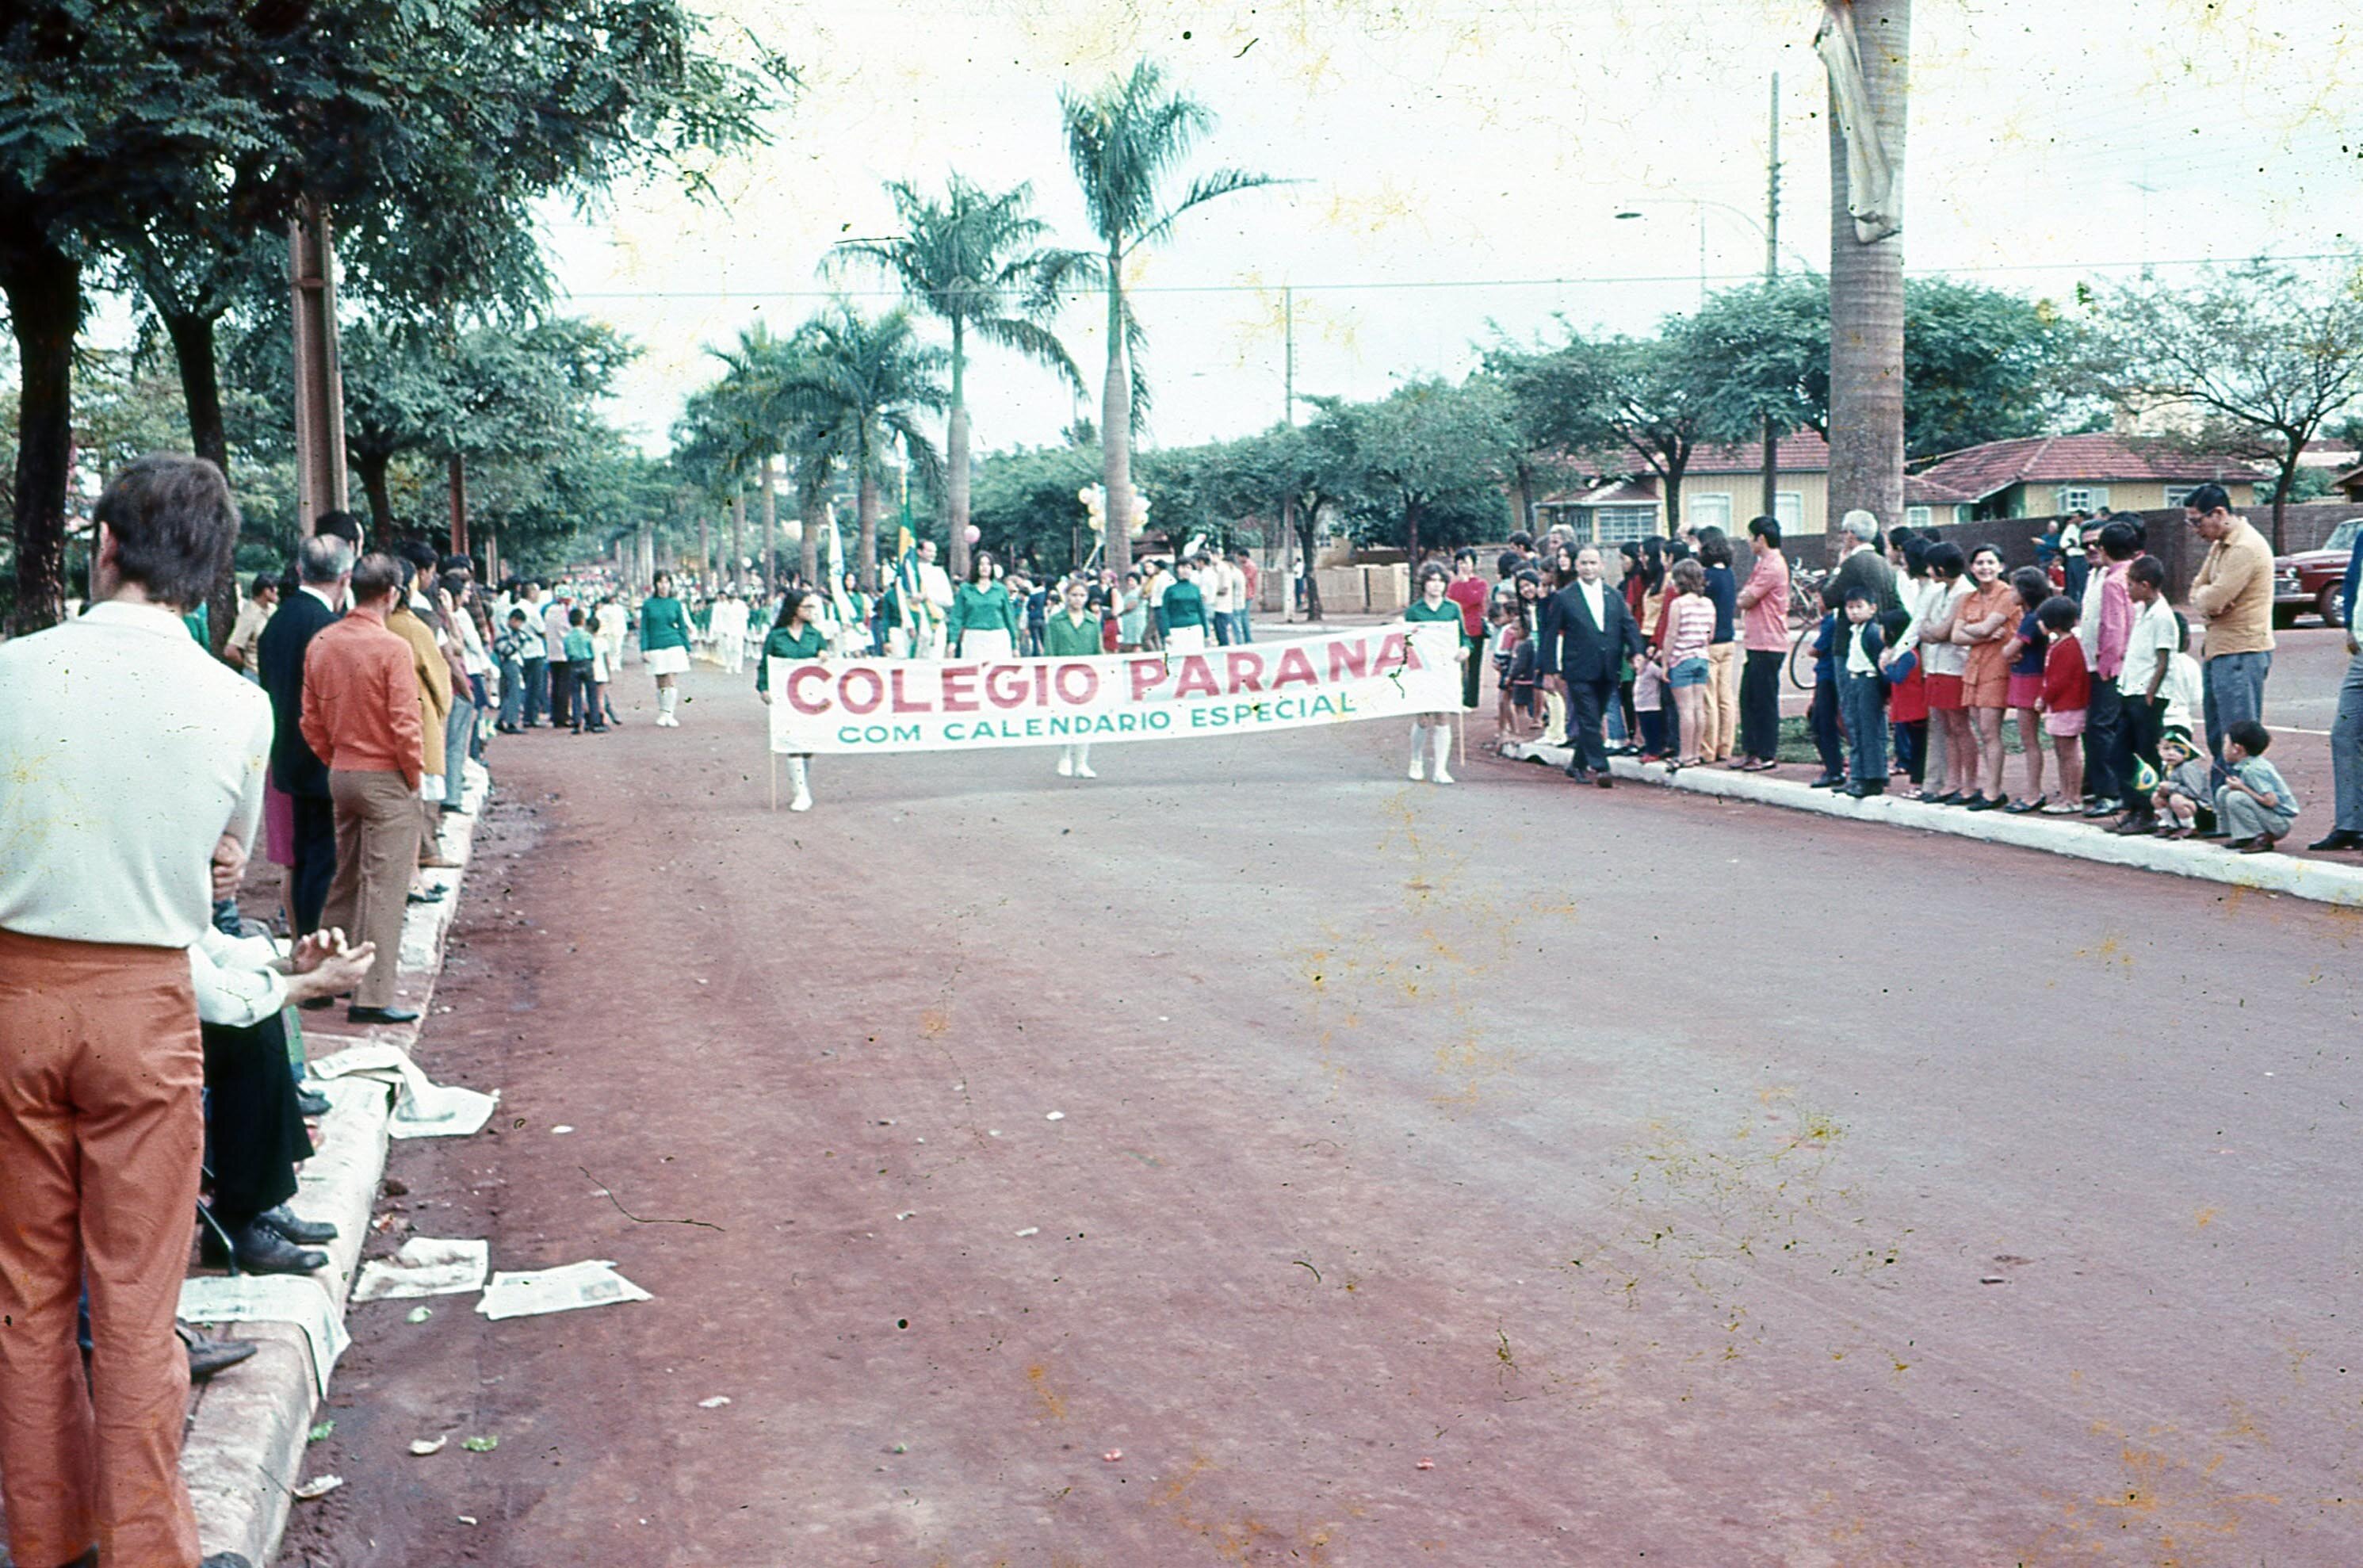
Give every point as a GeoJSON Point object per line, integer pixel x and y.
{"type": "Point", "coordinates": [1595, 601]}
{"type": "Point", "coordinates": [126, 751]}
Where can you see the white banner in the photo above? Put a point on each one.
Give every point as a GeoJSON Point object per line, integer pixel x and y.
{"type": "Point", "coordinates": [911, 704]}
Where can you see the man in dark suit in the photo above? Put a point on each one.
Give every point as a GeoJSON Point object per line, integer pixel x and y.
{"type": "Point", "coordinates": [323, 567]}
{"type": "Point", "coordinates": [1587, 631]}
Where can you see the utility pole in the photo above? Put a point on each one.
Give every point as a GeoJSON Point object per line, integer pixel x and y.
{"type": "Point", "coordinates": [458, 504]}
{"type": "Point", "coordinates": [1772, 276]}
{"type": "Point", "coordinates": [319, 380]}
{"type": "Point", "coordinates": [1288, 412]}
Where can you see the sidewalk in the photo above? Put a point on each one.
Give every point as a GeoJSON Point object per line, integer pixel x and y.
{"type": "Point", "coordinates": [2322, 880]}
{"type": "Point", "coordinates": [249, 1427]}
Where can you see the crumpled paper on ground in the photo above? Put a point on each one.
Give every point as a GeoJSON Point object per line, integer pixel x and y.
{"type": "Point", "coordinates": [424, 1266]}
{"type": "Point", "coordinates": [566, 1289]}
{"type": "Point", "coordinates": [300, 1300]}
{"type": "Point", "coordinates": [421, 1108]}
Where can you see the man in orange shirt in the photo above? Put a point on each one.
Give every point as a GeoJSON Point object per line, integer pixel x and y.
{"type": "Point", "coordinates": [360, 715]}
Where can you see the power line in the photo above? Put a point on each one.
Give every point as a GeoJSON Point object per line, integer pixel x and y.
{"type": "Point", "coordinates": [1421, 284]}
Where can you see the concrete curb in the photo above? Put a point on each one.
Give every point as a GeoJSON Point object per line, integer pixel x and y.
{"type": "Point", "coordinates": [244, 1451]}
{"type": "Point", "coordinates": [2315, 880]}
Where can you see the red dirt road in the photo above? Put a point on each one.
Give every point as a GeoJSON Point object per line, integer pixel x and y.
{"type": "Point", "coordinates": [1688, 1183]}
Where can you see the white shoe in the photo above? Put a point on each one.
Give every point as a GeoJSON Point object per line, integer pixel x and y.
{"type": "Point", "coordinates": [1415, 772]}
{"type": "Point", "coordinates": [1066, 766]}
{"type": "Point", "coordinates": [802, 802]}
{"type": "Point", "coordinates": [1083, 770]}
{"type": "Point", "coordinates": [1441, 777]}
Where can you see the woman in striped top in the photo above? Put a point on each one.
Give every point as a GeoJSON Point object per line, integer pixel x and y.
{"type": "Point", "coordinates": [1689, 631]}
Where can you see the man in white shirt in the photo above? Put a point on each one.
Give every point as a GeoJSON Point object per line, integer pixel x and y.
{"type": "Point", "coordinates": [534, 655]}
{"type": "Point", "coordinates": [1222, 596]}
{"type": "Point", "coordinates": [935, 602]}
{"type": "Point", "coordinates": [129, 751]}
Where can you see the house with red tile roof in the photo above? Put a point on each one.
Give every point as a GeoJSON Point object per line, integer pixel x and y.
{"type": "Point", "coordinates": [2039, 476]}
{"type": "Point", "coordinates": [1724, 485]}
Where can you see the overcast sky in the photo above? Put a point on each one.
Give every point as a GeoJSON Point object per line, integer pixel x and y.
{"type": "Point", "coordinates": [1460, 164]}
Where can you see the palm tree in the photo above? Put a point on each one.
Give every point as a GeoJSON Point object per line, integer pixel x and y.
{"type": "Point", "coordinates": [975, 261]}
{"type": "Point", "coordinates": [756, 372]}
{"type": "Point", "coordinates": [860, 384]}
{"type": "Point", "coordinates": [1124, 141]}
{"type": "Point", "coordinates": [714, 442]}
{"type": "Point", "coordinates": [1867, 280]}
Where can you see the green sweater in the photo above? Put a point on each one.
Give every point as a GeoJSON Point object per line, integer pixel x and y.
{"type": "Point", "coordinates": [579, 647]}
{"type": "Point", "coordinates": [663, 624]}
{"type": "Point", "coordinates": [989, 609]}
{"type": "Point", "coordinates": [1063, 638]}
{"type": "Point", "coordinates": [782, 643]}
{"type": "Point", "coordinates": [1420, 611]}
{"type": "Point", "coordinates": [1182, 605]}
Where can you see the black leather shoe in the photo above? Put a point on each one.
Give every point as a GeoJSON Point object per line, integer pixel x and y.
{"type": "Point", "coordinates": [432, 896]}
{"type": "Point", "coordinates": [263, 1251]}
{"type": "Point", "coordinates": [311, 1103]}
{"type": "Point", "coordinates": [1863, 791]}
{"type": "Point", "coordinates": [315, 1003]}
{"type": "Point", "coordinates": [302, 1232]}
{"type": "Point", "coordinates": [1828, 781]}
{"type": "Point", "coordinates": [1605, 779]}
{"type": "Point", "coordinates": [208, 1357]}
{"type": "Point", "coordinates": [381, 1015]}
{"type": "Point", "coordinates": [2337, 838]}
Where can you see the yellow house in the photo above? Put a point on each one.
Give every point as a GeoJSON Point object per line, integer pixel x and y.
{"type": "Point", "coordinates": [2039, 476]}
{"type": "Point", "coordinates": [1724, 485]}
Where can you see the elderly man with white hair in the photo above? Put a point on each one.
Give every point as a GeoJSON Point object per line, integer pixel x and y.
{"type": "Point", "coordinates": [1860, 565]}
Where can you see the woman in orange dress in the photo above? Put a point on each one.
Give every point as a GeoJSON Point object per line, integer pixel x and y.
{"type": "Point", "coordinates": [1984, 625]}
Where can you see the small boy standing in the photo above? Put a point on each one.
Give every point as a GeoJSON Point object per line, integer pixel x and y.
{"type": "Point", "coordinates": [512, 646]}
{"type": "Point", "coordinates": [1823, 717]}
{"type": "Point", "coordinates": [582, 655]}
{"type": "Point", "coordinates": [2067, 696]}
{"type": "Point", "coordinates": [2256, 805]}
{"type": "Point", "coordinates": [1862, 697]}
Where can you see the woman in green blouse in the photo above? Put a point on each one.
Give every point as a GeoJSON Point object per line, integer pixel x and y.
{"type": "Point", "coordinates": [796, 635]}
{"type": "Point", "coordinates": [1181, 612]}
{"type": "Point", "coordinates": [1074, 632]}
{"type": "Point", "coordinates": [665, 647]}
{"type": "Point", "coordinates": [1432, 733]}
{"type": "Point", "coordinates": [983, 623]}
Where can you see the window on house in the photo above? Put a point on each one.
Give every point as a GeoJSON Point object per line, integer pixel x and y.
{"type": "Point", "coordinates": [1789, 510]}
{"type": "Point", "coordinates": [2083, 497]}
{"type": "Point", "coordinates": [2176, 495]}
{"type": "Point", "coordinates": [1710, 510]}
{"type": "Point", "coordinates": [1614, 525]}
{"type": "Point", "coordinates": [1918, 517]}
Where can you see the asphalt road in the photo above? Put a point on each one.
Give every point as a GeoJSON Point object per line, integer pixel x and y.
{"type": "Point", "coordinates": [1507, 1174]}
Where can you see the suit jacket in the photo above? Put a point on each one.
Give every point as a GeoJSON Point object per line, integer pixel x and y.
{"type": "Point", "coordinates": [279, 660]}
{"type": "Point", "coordinates": [1578, 651]}
{"type": "Point", "coordinates": [1866, 568]}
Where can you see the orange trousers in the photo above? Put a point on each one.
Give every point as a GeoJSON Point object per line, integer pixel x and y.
{"type": "Point", "coordinates": [101, 1137]}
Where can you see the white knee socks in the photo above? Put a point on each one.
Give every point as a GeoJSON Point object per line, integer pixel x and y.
{"type": "Point", "coordinates": [1418, 751]}
{"type": "Point", "coordinates": [1439, 739]}
{"type": "Point", "coordinates": [799, 777]}
{"type": "Point", "coordinates": [668, 697]}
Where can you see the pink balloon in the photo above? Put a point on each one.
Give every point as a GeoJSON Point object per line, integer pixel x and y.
{"type": "Point", "coordinates": [974, 533]}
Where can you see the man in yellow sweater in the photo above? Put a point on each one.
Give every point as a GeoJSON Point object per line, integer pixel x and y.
{"type": "Point", "coordinates": [2234, 594]}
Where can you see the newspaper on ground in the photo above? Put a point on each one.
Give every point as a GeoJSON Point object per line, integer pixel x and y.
{"type": "Point", "coordinates": [300, 1300]}
{"type": "Point", "coordinates": [426, 1265]}
{"type": "Point", "coordinates": [421, 1108]}
{"type": "Point", "coordinates": [566, 1289]}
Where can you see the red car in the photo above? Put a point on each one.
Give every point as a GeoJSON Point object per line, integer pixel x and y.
{"type": "Point", "coordinates": [2309, 582]}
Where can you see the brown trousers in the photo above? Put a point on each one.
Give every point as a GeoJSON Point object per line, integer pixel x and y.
{"type": "Point", "coordinates": [100, 1141]}
{"type": "Point", "coordinates": [377, 846]}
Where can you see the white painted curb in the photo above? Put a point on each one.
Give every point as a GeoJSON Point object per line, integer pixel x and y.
{"type": "Point", "coordinates": [2316, 880]}
{"type": "Point", "coordinates": [244, 1453]}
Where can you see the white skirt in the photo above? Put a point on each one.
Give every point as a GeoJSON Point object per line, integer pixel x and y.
{"type": "Point", "coordinates": [1186, 640]}
{"type": "Point", "coordinates": [979, 644]}
{"type": "Point", "coordinates": [666, 660]}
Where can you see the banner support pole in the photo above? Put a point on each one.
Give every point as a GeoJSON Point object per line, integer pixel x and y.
{"type": "Point", "coordinates": [775, 780]}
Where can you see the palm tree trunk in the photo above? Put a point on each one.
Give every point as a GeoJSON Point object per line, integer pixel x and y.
{"type": "Point", "coordinates": [866, 507]}
{"type": "Point", "coordinates": [1116, 429]}
{"type": "Point", "coordinates": [43, 286]}
{"type": "Point", "coordinates": [956, 438]}
{"type": "Point", "coordinates": [770, 535]}
{"type": "Point", "coordinates": [1867, 293]}
{"type": "Point", "coordinates": [812, 507]}
{"type": "Point", "coordinates": [737, 535]}
{"type": "Point", "coordinates": [704, 551]}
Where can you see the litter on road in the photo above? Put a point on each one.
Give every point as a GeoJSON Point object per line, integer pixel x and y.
{"type": "Point", "coordinates": [317, 1487]}
{"type": "Point", "coordinates": [566, 1289]}
{"type": "Point", "coordinates": [422, 1447]}
{"type": "Point", "coordinates": [300, 1300]}
{"type": "Point", "coordinates": [715, 1403]}
{"type": "Point", "coordinates": [426, 1265]}
{"type": "Point", "coordinates": [479, 1445]}
{"type": "Point", "coordinates": [422, 1108]}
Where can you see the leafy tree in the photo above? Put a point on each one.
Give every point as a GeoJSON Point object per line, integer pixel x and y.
{"type": "Point", "coordinates": [2266, 353]}
{"type": "Point", "coordinates": [1027, 505]}
{"type": "Point", "coordinates": [1611, 403]}
{"type": "Point", "coordinates": [865, 382]}
{"type": "Point", "coordinates": [975, 261]}
{"type": "Point", "coordinates": [1427, 462]}
{"type": "Point", "coordinates": [1124, 142]}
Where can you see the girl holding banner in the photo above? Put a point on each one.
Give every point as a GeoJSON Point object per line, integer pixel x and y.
{"type": "Point", "coordinates": [796, 635]}
{"type": "Point", "coordinates": [983, 622]}
{"type": "Point", "coordinates": [1074, 632]}
{"type": "Point", "coordinates": [1432, 733]}
{"type": "Point", "coordinates": [665, 647]}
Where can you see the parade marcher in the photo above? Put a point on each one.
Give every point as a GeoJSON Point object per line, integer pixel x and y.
{"type": "Point", "coordinates": [665, 647]}
{"type": "Point", "coordinates": [1588, 632]}
{"type": "Point", "coordinates": [1132, 614]}
{"type": "Point", "coordinates": [796, 635]}
{"type": "Point", "coordinates": [103, 892]}
{"type": "Point", "coordinates": [923, 601]}
{"type": "Point", "coordinates": [727, 628]}
{"type": "Point", "coordinates": [1468, 590]}
{"type": "Point", "coordinates": [1182, 612]}
{"type": "Point", "coordinates": [1073, 633]}
{"type": "Point", "coordinates": [983, 623]}
{"type": "Point", "coordinates": [1431, 733]}
{"type": "Point", "coordinates": [362, 715]}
